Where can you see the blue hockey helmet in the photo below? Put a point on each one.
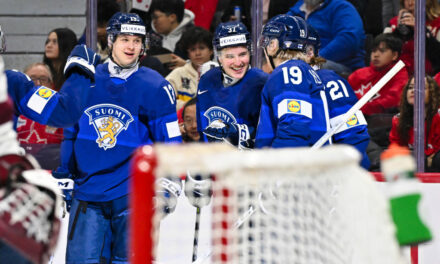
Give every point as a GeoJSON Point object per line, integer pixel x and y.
{"type": "Point", "coordinates": [291, 32]}
{"type": "Point", "coordinates": [231, 34]}
{"type": "Point", "coordinates": [126, 23]}
{"type": "Point", "coordinates": [313, 39]}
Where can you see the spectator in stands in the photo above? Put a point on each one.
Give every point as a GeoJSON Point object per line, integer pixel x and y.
{"type": "Point", "coordinates": [169, 20]}
{"type": "Point", "coordinates": [402, 131]}
{"type": "Point", "coordinates": [403, 26]}
{"type": "Point", "coordinates": [341, 31]}
{"type": "Point", "coordinates": [42, 141]}
{"type": "Point", "coordinates": [189, 126]}
{"type": "Point", "coordinates": [390, 9]}
{"type": "Point", "coordinates": [59, 44]}
{"type": "Point", "coordinates": [106, 9]}
{"type": "Point", "coordinates": [385, 54]}
{"type": "Point", "coordinates": [203, 11]}
{"type": "Point", "coordinates": [271, 8]}
{"type": "Point", "coordinates": [198, 44]}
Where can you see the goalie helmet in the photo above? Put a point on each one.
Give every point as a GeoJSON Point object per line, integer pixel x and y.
{"type": "Point", "coordinates": [126, 23]}
{"type": "Point", "coordinates": [231, 34]}
{"type": "Point", "coordinates": [291, 32]}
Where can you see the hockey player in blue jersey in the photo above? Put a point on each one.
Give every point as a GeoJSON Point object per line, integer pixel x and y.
{"type": "Point", "coordinates": [340, 98]}
{"type": "Point", "coordinates": [129, 106]}
{"type": "Point", "coordinates": [228, 97]}
{"type": "Point", "coordinates": [45, 105]}
{"type": "Point", "coordinates": [293, 109]}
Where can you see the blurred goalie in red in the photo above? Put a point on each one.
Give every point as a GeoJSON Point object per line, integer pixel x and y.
{"type": "Point", "coordinates": [29, 198]}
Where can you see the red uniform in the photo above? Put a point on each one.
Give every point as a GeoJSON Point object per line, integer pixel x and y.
{"type": "Point", "coordinates": [433, 144]}
{"type": "Point", "coordinates": [407, 55]}
{"type": "Point", "coordinates": [388, 97]}
{"type": "Point", "coordinates": [32, 132]}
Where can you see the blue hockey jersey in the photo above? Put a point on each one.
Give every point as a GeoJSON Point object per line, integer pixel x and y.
{"type": "Point", "coordinates": [120, 116]}
{"type": "Point", "coordinates": [293, 110]}
{"type": "Point", "coordinates": [46, 106]}
{"type": "Point", "coordinates": [340, 98]}
{"type": "Point", "coordinates": [237, 104]}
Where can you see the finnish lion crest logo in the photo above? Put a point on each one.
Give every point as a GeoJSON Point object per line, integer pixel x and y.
{"type": "Point", "coordinates": [108, 120]}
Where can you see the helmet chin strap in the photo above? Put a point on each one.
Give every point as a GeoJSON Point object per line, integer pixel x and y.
{"type": "Point", "coordinates": [272, 64]}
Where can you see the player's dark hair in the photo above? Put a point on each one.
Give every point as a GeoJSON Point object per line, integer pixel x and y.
{"type": "Point", "coordinates": [192, 101]}
{"type": "Point", "coordinates": [390, 40]}
{"type": "Point", "coordinates": [66, 42]}
{"type": "Point", "coordinates": [169, 7]}
{"type": "Point", "coordinates": [195, 35]}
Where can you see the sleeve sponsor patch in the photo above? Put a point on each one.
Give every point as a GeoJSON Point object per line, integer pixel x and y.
{"type": "Point", "coordinates": [294, 106]}
{"type": "Point", "coordinates": [40, 98]}
{"type": "Point", "coordinates": [355, 120]}
{"type": "Point", "coordinates": [173, 129]}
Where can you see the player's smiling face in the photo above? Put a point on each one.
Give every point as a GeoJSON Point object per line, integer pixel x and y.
{"type": "Point", "coordinates": [126, 49]}
{"type": "Point", "coordinates": [235, 61]}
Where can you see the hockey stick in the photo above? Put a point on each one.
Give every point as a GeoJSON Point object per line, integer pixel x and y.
{"type": "Point", "coordinates": [357, 106]}
{"type": "Point", "coordinates": [196, 234]}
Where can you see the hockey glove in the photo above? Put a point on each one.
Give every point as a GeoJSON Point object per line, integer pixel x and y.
{"type": "Point", "coordinates": [218, 131]}
{"type": "Point", "coordinates": [237, 134]}
{"type": "Point", "coordinates": [12, 167]}
{"type": "Point", "coordinates": [29, 215]}
{"type": "Point", "coordinates": [83, 60]}
{"type": "Point", "coordinates": [167, 193]}
{"type": "Point", "coordinates": [198, 190]}
{"type": "Point", "coordinates": [66, 184]}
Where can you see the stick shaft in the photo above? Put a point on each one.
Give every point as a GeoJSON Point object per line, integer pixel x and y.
{"type": "Point", "coordinates": [359, 104]}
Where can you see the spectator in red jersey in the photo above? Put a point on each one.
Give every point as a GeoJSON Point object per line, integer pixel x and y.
{"type": "Point", "coordinates": [437, 78]}
{"type": "Point", "coordinates": [403, 26]}
{"type": "Point", "coordinates": [402, 131]}
{"type": "Point", "coordinates": [385, 54]}
{"type": "Point", "coordinates": [42, 141]}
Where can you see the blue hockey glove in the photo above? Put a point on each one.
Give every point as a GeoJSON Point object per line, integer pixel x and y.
{"type": "Point", "coordinates": [66, 184]}
{"type": "Point", "coordinates": [217, 131]}
{"type": "Point", "coordinates": [237, 134]}
{"type": "Point", "coordinates": [82, 59]}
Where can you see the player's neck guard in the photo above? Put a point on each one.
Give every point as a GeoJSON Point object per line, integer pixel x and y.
{"type": "Point", "coordinates": [121, 72]}
{"type": "Point", "coordinates": [229, 81]}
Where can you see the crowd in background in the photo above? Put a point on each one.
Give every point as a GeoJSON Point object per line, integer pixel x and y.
{"type": "Point", "coordinates": [331, 49]}
{"type": "Point", "coordinates": [358, 43]}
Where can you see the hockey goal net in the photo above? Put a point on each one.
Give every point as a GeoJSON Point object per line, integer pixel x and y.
{"type": "Point", "coordinates": [267, 206]}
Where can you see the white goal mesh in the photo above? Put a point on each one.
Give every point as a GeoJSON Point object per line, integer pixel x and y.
{"type": "Point", "coordinates": [268, 206]}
